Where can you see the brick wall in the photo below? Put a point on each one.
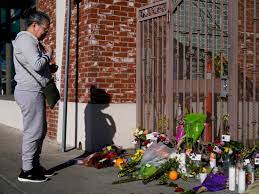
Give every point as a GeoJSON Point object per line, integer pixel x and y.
{"type": "Point", "coordinates": [249, 38]}
{"type": "Point", "coordinates": [106, 49]}
{"type": "Point", "coordinates": [49, 7]}
{"type": "Point", "coordinates": [104, 39]}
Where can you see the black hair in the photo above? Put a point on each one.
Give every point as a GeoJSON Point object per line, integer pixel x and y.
{"type": "Point", "coordinates": [33, 15]}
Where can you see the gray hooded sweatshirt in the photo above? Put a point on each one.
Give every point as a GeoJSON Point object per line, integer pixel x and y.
{"type": "Point", "coordinates": [27, 51]}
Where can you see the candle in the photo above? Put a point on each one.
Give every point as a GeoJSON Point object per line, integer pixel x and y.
{"type": "Point", "coordinates": [183, 158]}
{"type": "Point", "coordinates": [253, 178]}
{"type": "Point", "coordinates": [212, 160]}
{"type": "Point", "coordinates": [241, 181]}
{"type": "Point", "coordinates": [232, 178]}
{"type": "Point", "coordinates": [237, 174]}
{"type": "Point", "coordinates": [213, 163]}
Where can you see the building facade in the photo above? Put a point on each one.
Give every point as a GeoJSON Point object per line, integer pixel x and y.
{"type": "Point", "coordinates": [102, 53]}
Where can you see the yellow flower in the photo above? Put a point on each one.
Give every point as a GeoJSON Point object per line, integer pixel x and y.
{"type": "Point", "coordinates": [138, 154]}
{"type": "Point", "coordinates": [226, 150]}
{"type": "Point", "coordinates": [109, 148]}
{"type": "Point", "coordinates": [204, 170]}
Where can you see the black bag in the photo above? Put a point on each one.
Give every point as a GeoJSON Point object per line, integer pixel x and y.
{"type": "Point", "coordinates": [51, 93]}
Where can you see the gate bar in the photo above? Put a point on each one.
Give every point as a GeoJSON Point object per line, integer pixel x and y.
{"type": "Point", "coordinates": [139, 65]}
{"type": "Point", "coordinates": [254, 76]}
{"type": "Point", "coordinates": [198, 61]}
{"type": "Point", "coordinates": [205, 66]}
{"type": "Point", "coordinates": [220, 127]}
{"type": "Point", "coordinates": [177, 38]}
{"type": "Point", "coordinates": [157, 71]}
{"type": "Point", "coordinates": [184, 61]}
{"type": "Point", "coordinates": [163, 65]}
{"type": "Point", "coordinates": [153, 76]}
{"type": "Point", "coordinates": [233, 68]}
{"type": "Point", "coordinates": [244, 97]}
{"type": "Point", "coordinates": [213, 70]}
{"type": "Point", "coordinates": [190, 52]}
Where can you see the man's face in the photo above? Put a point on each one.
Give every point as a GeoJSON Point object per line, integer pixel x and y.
{"type": "Point", "coordinates": [41, 30]}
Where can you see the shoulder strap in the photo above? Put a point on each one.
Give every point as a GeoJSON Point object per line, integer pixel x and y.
{"type": "Point", "coordinates": [28, 71]}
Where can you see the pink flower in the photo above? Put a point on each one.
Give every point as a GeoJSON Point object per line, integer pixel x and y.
{"type": "Point", "coordinates": [145, 132]}
{"type": "Point", "coordinates": [222, 143]}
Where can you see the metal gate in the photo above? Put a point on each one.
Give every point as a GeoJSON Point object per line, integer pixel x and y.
{"type": "Point", "coordinates": [188, 59]}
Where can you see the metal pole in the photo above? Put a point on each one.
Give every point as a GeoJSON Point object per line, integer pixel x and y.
{"type": "Point", "coordinates": [139, 118]}
{"type": "Point", "coordinates": [64, 124]}
{"type": "Point", "coordinates": [8, 55]}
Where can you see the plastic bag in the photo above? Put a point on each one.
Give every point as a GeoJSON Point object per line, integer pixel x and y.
{"type": "Point", "coordinates": [156, 154]}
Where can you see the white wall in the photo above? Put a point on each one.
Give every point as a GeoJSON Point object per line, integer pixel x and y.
{"type": "Point", "coordinates": [124, 115]}
{"type": "Point", "coordinates": [96, 121]}
{"type": "Point", "coordinates": [10, 114]}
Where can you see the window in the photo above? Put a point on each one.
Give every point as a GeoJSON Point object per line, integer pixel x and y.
{"type": "Point", "coordinates": [10, 25]}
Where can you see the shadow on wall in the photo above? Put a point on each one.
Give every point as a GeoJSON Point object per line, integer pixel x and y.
{"type": "Point", "coordinates": [99, 127]}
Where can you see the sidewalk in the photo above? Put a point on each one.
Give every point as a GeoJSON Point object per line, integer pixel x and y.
{"type": "Point", "coordinates": [70, 179]}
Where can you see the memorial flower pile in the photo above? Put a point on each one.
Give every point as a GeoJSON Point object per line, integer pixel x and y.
{"type": "Point", "coordinates": [158, 158]}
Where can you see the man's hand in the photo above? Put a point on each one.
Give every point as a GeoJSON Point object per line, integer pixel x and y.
{"type": "Point", "coordinates": [49, 49]}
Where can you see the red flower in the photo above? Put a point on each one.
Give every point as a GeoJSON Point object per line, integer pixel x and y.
{"type": "Point", "coordinates": [145, 143]}
{"type": "Point", "coordinates": [162, 138]}
{"type": "Point", "coordinates": [210, 148]}
{"type": "Point", "coordinates": [179, 190]}
{"type": "Point", "coordinates": [217, 141]}
{"type": "Point", "coordinates": [111, 155]}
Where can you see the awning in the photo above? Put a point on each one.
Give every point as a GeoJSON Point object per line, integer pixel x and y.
{"type": "Point", "coordinates": [16, 3]}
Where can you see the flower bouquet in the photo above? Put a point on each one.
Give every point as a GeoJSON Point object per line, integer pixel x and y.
{"type": "Point", "coordinates": [139, 136]}
{"type": "Point", "coordinates": [102, 159]}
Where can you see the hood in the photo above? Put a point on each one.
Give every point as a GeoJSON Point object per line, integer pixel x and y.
{"type": "Point", "coordinates": [22, 33]}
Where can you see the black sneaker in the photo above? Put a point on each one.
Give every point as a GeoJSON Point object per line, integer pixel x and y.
{"type": "Point", "coordinates": [45, 172]}
{"type": "Point", "coordinates": [32, 175]}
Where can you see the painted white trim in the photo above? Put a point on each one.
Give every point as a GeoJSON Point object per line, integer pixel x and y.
{"type": "Point", "coordinates": [60, 29]}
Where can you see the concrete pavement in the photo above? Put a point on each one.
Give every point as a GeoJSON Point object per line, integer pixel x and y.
{"type": "Point", "coordinates": [70, 178]}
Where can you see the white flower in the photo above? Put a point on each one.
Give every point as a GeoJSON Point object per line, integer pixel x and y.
{"type": "Point", "coordinates": [173, 155]}
{"type": "Point", "coordinates": [135, 131]}
{"type": "Point", "coordinates": [134, 142]}
{"type": "Point", "coordinates": [150, 136]}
